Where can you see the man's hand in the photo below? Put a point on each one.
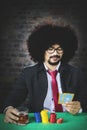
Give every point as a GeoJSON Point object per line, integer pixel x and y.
{"type": "Point", "coordinates": [73, 107]}
{"type": "Point", "coordinates": [11, 115]}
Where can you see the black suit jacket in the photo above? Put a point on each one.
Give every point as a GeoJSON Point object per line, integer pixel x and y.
{"type": "Point", "coordinates": [33, 82]}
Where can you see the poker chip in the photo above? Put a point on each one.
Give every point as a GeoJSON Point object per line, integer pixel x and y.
{"type": "Point", "coordinates": [59, 120]}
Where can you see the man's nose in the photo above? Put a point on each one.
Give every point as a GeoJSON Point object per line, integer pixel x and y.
{"type": "Point", "coordinates": [55, 51]}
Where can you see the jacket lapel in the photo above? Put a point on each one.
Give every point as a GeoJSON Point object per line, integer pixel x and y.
{"type": "Point", "coordinates": [42, 80]}
{"type": "Point", "coordinates": [65, 77]}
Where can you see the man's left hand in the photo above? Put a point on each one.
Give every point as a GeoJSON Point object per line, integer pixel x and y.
{"type": "Point", "coordinates": [73, 107]}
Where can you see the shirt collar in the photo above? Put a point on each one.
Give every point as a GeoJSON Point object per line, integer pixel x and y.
{"type": "Point", "coordinates": [56, 67]}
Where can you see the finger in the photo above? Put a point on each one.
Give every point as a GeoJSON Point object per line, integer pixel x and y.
{"type": "Point", "coordinates": [15, 111]}
{"type": "Point", "coordinates": [73, 107]}
{"type": "Point", "coordinates": [13, 117]}
{"type": "Point", "coordinates": [9, 120]}
{"type": "Point", "coordinates": [69, 103]}
{"type": "Point", "coordinates": [73, 104]}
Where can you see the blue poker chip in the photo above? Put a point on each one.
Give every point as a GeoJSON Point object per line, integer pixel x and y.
{"type": "Point", "coordinates": [37, 116]}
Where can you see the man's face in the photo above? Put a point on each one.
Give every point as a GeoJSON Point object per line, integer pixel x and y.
{"type": "Point", "coordinates": [53, 55]}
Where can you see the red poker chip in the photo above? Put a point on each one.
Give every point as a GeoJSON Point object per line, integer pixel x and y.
{"type": "Point", "coordinates": [59, 120]}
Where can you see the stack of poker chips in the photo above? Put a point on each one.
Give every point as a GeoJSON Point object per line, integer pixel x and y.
{"type": "Point", "coordinates": [52, 118]}
{"type": "Point", "coordinates": [37, 117]}
{"type": "Point", "coordinates": [43, 117]}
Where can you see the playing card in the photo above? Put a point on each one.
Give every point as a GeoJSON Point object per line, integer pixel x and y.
{"type": "Point", "coordinates": [65, 97]}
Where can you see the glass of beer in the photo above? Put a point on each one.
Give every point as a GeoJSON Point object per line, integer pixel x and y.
{"type": "Point", "coordinates": [23, 116]}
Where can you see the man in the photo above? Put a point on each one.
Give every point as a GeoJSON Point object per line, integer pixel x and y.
{"type": "Point", "coordinates": [51, 47]}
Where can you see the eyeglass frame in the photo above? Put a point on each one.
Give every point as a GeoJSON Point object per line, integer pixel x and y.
{"type": "Point", "coordinates": [54, 49]}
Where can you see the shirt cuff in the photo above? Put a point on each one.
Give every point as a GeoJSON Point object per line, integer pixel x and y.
{"type": "Point", "coordinates": [80, 111]}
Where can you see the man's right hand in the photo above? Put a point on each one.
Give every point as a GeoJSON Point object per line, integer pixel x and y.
{"type": "Point", "coordinates": [11, 115]}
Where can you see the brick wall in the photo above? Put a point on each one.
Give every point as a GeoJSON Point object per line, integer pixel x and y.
{"type": "Point", "coordinates": [18, 18]}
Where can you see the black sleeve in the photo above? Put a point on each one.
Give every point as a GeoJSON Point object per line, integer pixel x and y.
{"type": "Point", "coordinates": [82, 90]}
{"type": "Point", "coordinates": [18, 93]}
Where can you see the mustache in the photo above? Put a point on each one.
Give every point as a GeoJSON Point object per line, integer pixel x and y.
{"type": "Point", "coordinates": [55, 56]}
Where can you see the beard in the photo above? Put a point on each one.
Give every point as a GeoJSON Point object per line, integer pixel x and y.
{"type": "Point", "coordinates": [54, 63]}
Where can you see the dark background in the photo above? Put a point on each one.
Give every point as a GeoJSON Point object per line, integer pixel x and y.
{"type": "Point", "coordinates": [17, 20]}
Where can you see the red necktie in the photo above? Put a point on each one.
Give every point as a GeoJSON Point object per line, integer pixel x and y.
{"type": "Point", "coordinates": [58, 107]}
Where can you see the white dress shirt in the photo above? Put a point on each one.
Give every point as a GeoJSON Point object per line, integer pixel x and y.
{"type": "Point", "coordinates": [48, 102]}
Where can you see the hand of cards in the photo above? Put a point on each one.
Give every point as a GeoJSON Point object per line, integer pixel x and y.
{"type": "Point", "coordinates": [65, 97]}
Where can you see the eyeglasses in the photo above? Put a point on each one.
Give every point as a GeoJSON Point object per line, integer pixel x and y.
{"type": "Point", "coordinates": [52, 50]}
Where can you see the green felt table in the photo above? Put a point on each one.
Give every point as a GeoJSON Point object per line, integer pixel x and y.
{"type": "Point", "coordinates": [71, 122]}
